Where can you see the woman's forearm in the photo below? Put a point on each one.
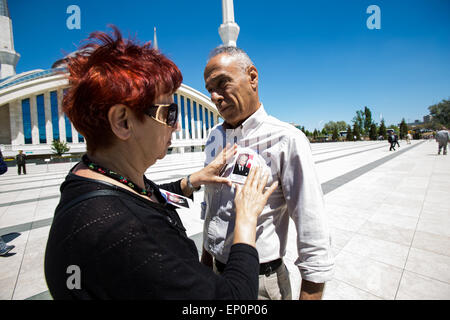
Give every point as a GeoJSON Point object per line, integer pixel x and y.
{"type": "Point", "coordinates": [245, 232]}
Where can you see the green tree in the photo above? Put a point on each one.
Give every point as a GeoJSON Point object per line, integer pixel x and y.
{"type": "Point", "coordinates": [330, 125]}
{"type": "Point", "coordinates": [382, 129]}
{"type": "Point", "coordinates": [357, 131]}
{"type": "Point", "coordinates": [359, 119]}
{"type": "Point", "coordinates": [59, 147]}
{"type": "Point", "coordinates": [315, 133]}
{"type": "Point", "coordinates": [324, 132]}
{"type": "Point", "coordinates": [367, 119]}
{"type": "Point", "coordinates": [335, 134]}
{"type": "Point", "coordinates": [403, 129]}
{"type": "Point", "coordinates": [373, 131]}
{"type": "Point", "coordinates": [341, 125]}
{"type": "Point", "coordinates": [349, 133]}
{"type": "Point", "coordinates": [441, 112]}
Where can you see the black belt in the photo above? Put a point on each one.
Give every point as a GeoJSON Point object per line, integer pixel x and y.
{"type": "Point", "coordinates": [264, 268]}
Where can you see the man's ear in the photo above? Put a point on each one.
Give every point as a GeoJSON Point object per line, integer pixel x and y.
{"type": "Point", "coordinates": [119, 118]}
{"type": "Point", "coordinates": [253, 75]}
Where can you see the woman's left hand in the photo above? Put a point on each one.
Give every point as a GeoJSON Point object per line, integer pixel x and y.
{"type": "Point", "coordinates": [210, 173]}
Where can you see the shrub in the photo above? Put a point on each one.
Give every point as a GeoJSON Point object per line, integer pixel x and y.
{"type": "Point", "coordinates": [60, 147]}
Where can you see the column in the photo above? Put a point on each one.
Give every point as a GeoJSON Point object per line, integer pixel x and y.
{"type": "Point", "coordinates": [16, 121]}
{"type": "Point", "coordinates": [192, 120]}
{"type": "Point", "coordinates": [176, 135]}
{"type": "Point", "coordinates": [186, 126]}
{"type": "Point", "coordinates": [205, 136]}
{"type": "Point", "coordinates": [48, 118]}
{"type": "Point", "coordinates": [180, 133]}
{"type": "Point", "coordinates": [34, 121]}
{"type": "Point", "coordinates": [198, 123]}
{"type": "Point", "coordinates": [62, 123]}
{"type": "Point", "coordinates": [74, 134]}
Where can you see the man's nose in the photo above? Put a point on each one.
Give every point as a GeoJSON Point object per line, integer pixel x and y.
{"type": "Point", "coordinates": [216, 98]}
{"type": "Point", "coordinates": [177, 127]}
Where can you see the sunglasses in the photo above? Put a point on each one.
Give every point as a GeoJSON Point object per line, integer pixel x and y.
{"type": "Point", "coordinates": [165, 116]}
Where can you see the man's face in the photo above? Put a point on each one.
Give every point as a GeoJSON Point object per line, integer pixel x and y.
{"type": "Point", "coordinates": [232, 89]}
{"type": "Point", "coordinates": [243, 160]}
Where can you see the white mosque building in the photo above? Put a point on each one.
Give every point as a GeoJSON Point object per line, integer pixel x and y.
{"type": "Point", "coordinates": [31, 117]}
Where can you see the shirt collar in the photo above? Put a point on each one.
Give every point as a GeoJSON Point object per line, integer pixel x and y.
{"type": "Point", "coordinates": [251, 122]}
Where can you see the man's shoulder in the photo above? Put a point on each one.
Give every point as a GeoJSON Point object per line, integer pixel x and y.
{"type": "Point", "coordinates": [289, 132]}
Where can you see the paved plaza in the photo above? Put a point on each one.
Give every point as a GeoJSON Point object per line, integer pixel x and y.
{"type": "Point", "coordinates": [389, 215]}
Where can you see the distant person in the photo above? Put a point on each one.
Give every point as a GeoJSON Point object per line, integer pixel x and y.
{"type": "Point", "coordinates": [391, 140]}
{"type": "Point", "coordinates": [408, 138]}
{"type": "Point", "coordinates": [442, 138]}
{"type": "Point", "coordinates": [4, 248]}
{"type": "Point", "coordinates": [396, 140]}
{"type": "Point", "coordinates": [3, 166]}
{"type": "Point", "coordinates": [21, 160]}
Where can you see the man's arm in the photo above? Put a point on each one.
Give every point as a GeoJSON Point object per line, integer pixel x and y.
{"type": "Point", "coordinates": [304, 199]}
{"type": "Point", "coordinates": [311, 290]}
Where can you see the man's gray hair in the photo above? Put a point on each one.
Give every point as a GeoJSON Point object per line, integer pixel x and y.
{"type": "Point", "coordinates": [240, 55]}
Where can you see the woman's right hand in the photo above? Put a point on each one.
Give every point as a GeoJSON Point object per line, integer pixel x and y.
{"type": "Point", "coordinates": [249, 201]}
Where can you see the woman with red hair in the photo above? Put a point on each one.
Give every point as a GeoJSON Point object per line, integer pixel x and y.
{"type": "Point", "coordinates": [114, 235]}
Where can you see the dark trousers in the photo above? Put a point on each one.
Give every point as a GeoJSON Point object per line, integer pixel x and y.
{"type": "Point", "coordinates": [442, 146]}
{"type": "Point", "coordinates": [21, 166]}
{"type": "Point", "coordinates": [392, 146]}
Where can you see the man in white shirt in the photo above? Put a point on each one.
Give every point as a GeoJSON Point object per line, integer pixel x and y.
{"type": "Point", "coordinates": [232, 81]}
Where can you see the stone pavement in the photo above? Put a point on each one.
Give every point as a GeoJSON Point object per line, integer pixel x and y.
{"type": "Point", "coordinates": [389, 215]}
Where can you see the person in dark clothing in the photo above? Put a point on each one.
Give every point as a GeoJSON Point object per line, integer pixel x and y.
{"type": "Point", "coordinates": [4, 248]}
{"type": "Point", "coordinates": [3, 166]}
{"type": "Point", "coordinates": [114, 236]}
{"type": "Point", "coordinates": [391, 140]}
{"type": "Point", "coordinates": [396, 140]}
{"type": "Point", "coordinates": [21, 160]}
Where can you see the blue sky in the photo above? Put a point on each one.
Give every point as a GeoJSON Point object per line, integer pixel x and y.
{"type": "Point", "coordinates": [317, 60]}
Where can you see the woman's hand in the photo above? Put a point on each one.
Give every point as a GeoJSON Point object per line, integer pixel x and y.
{"type": "Point", "coordinates": [250, 201]}
{"type": "Point", "coordinates": [211, 173]}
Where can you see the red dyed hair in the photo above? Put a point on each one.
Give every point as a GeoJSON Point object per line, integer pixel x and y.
{"type": "Point", "coordinates": [109, 70]}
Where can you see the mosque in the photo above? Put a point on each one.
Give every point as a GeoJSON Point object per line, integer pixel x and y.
{"type": "Point", "coordinates": [31, 117]}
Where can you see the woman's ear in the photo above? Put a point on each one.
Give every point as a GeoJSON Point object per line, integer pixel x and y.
{"type": "Point", "coordinates": [119, 118]}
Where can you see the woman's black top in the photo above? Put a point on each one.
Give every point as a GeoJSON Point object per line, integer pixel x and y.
{"type": "Point", "coordinates": [122, 246]}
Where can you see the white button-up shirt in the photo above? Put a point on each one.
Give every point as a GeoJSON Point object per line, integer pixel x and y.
{"type": "Point", "coordinates": [286, 151]}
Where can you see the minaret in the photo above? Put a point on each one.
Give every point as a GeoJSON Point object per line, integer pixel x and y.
{"type": "Point", "coordinates": [155, 41]}
{"type": "Point", "coordinates": [228, 30]}
{"type": "Point", "coordinates": [8, 57]}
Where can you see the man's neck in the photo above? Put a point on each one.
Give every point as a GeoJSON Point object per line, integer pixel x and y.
{"type": "Point", "coordinates": [227, 125]}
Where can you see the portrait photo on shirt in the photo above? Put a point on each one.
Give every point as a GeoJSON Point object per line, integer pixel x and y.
{"type": "Point", "coordinates": [176, 200]}
{"type": "Point", "coordinates": [245, 160]}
